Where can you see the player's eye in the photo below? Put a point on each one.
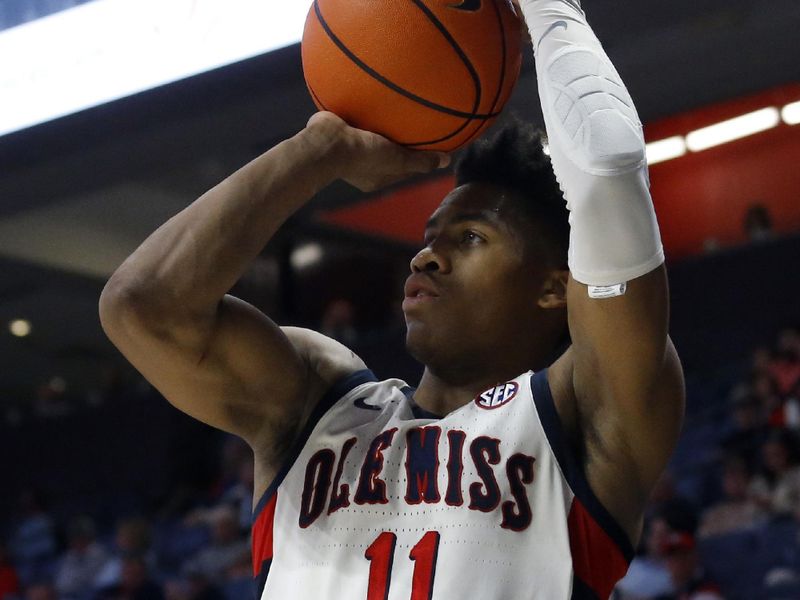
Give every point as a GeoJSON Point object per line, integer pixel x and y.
{"type": "Point", "coordinates": [470, 237]}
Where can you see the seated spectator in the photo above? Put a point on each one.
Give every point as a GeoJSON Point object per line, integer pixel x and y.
{"type": "Point", "coordinates": [648, 575]}
{"type": "Point", "coordinates": [736, 510]}
{"type": "Point", "coordinates": [784, 368]}
{"type": "Point", "coordinates": [9, 581]}
{"type": "Point", "coordinates": [132, 538]}
{"type": "Point", "coordinates": [748, 427]}
{"type": "Point", "coordinates": [134, 582]}
{"type": "Point", "coordinates": [777, 488]}
{"type": "Point", "coordinates": [688, 578]}
{"type": "Point", "coordinates": [33, 543]}
{"type": "Point", "coordinates": [766, 393]}
{"type": "Point", "coordinates": [85, 557]}
{"type": "Point", "coordinates": [226, 549]}
{"type": "Point", "coordinates": [338, 322]}
{"type": "Point", "coordinates": [758, 223]}
{"type": "Point", "coordinates": [202, 588]}
{"type": "Point", "coordinates": [194, 586]}
{"type": "Point", "coordinates": [761, 361]}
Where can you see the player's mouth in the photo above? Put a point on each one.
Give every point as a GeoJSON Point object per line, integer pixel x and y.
{"type": "Point", "coordinates": [419, 290]}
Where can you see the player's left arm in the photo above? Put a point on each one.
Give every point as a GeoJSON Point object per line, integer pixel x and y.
{"type": "Point", "coordinates": [623, 369]}
{"type": "Point", "coordinates": [626, 372]}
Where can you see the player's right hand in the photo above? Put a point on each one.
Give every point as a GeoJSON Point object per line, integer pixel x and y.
{"type": "Point", "coordinates": [367, 160]}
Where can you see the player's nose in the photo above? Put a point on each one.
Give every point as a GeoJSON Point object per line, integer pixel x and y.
{"type": "Point", "coordinates": [429, 260]}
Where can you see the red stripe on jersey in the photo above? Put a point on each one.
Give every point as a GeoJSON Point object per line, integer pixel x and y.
{"type": "Point", "coordinates": [262, 534]}
{"type": "Point", "coordinates": [596, 558]}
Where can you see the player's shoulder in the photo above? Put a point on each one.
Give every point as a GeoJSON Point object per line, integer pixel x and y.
{"type": "Point", "coordinates": [329, 359]}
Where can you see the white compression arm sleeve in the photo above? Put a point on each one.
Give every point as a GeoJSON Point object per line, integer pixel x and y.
{"type": "Point", "coordinates": [596, 146]}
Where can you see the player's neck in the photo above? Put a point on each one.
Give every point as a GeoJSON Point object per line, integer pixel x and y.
{"type": "Point", "coordinates": [441, 396]}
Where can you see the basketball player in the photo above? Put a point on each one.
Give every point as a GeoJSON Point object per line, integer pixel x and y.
{"type": "Point", "coordinates": [503, 475]}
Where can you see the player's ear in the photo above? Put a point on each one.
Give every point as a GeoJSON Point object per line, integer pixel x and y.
{"type": "Point", "coordinates": [554, 289]}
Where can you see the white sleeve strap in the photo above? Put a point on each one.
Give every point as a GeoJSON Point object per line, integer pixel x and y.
{"type": "Point", "coordinates": [596, 146]}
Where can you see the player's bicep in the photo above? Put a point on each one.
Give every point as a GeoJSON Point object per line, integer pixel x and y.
{"type": "Point", "coordinates": [619, 344]}
{"type": "Point", "coordinates": [271, 381]}
{"type": "Point", "coordinates": [626, 368]}
{"type": "Point", "coordinates": [234, 370]}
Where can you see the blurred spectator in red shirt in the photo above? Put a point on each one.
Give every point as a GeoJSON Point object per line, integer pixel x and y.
{"type": "Point", "coordinates": [9, 581]}
{"type": "Point", "coordinates": [687, 574]}
{"type": "Point", "coordinates": [784, 368]}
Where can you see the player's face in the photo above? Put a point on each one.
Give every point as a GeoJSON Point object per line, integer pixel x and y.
{"type": "Point", "coordinates": [472, 295]}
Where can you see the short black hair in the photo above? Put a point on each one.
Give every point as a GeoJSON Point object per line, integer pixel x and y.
{"type": "Point", "coordinates": [513, 158]}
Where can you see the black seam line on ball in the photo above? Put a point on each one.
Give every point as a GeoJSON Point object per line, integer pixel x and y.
{"type": "Point", "coordinates": [504, 46]}
{"type": "Point", "coordinates": [314, 95]}
{"type": "Point", "coordinates": [476, 80]}
{"type": "Point", "coordinates": [372, 73]}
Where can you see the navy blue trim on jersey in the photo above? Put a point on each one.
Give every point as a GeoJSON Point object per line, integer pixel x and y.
{"type": "Point", "coordinates": [332, 396]}
{"type": "Point", "coordinates": [581, 591]}
{"type": "Point", "coordinates": [418, 411]}
{"type": "Point", "coordinates": [261, 580]}
{"type": "Point", "coordinates": [571, 466]}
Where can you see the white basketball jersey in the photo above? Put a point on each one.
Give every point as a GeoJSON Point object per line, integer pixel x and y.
{"type": "Point", "coordinates": [381, 500]}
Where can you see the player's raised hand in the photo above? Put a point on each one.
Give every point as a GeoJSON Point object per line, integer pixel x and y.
{"type": "Point", "coordinates": [367, 160]}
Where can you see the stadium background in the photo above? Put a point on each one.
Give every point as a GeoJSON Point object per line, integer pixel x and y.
{"type": "Point", "coordinates": [87, 448]}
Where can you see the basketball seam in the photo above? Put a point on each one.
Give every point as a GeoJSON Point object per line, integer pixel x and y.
{"type": "Point", "coordinates": [316, 98]}
{"type": "Point", "coordinates": [467, 63]}
{"type": "Point", "coordinates": [388, 83]}
{"type": "Point", "coordinates": [500, 85]}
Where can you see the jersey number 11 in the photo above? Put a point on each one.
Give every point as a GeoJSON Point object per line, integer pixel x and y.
{"type": "Point", "coordinates": [381, 556]}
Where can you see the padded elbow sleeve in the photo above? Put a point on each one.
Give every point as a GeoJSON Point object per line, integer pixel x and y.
{"type": "Point", "coordinates": [596, 146]}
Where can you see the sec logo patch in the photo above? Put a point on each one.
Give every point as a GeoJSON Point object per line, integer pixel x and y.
{"type": "Point", "coordinates": [497, 396]}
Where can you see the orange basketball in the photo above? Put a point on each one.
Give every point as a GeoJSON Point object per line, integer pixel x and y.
{"type": "Point", "coordinates": [428, 74]}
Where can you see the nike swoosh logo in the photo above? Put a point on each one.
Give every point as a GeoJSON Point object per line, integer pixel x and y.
{"type": "Point", "coordinates": [550, 30]}
{"type": "Point", "coordinates": [468, 5]}
{"type": "Point", "coordinates": [359, 403]}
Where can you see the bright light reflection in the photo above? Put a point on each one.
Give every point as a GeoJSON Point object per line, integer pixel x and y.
{"type": "Point", "coordinates": [666, 149]}
{"type": "Point", "coordinates": [108, 49]}
{"type": "Point", "coordinates": [733, 129]}
{"type": "Point", "coordinates": [791, 113]}
{"type": "Point", "coordinates": [20, 328]}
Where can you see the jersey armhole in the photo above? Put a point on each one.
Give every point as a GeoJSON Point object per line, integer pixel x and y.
{"type": "Point", "coordinates": [572, 468]}
{"type": "Point", "coordinates": [337, 391]}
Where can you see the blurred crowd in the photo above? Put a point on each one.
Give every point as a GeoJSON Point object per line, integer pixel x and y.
{"type": "Point", "coordinates": [204, 554]}
{"type": "Point", "coordinates": [734, 489]}
{"type": "Point", "coordinates": [736, 473]}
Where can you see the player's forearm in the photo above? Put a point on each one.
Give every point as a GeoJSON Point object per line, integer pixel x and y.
{"type": "Point", "coordinates": [597, 148]}
{"type": "Point", "coordinates": [191, 261]}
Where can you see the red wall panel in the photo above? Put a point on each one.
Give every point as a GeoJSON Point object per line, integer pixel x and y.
{"type": "Point", "coordinates": [698, 197]}
{"type": "Point", "coordinates": [705, 195]}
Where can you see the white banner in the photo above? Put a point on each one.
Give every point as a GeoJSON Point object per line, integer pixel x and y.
{"type": "Point", "coordinates": [108, 49]}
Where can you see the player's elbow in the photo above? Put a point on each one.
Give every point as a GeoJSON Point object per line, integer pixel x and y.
{"type": "Point", "coordinates": [115, 307]}
{"type": "Point", "coordinates": [126, 312]}
{"type": "Point", "coordinates": [616, 144]}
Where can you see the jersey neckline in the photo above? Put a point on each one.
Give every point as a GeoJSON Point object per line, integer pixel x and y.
{"type": "Point", "coordinates": [416, 409]}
